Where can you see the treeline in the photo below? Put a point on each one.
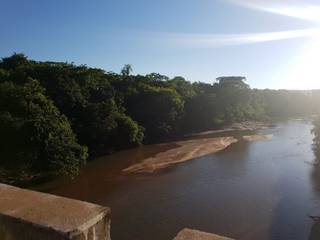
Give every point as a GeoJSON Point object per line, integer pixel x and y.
{"type": "Point", "coordinates": [54, 115]}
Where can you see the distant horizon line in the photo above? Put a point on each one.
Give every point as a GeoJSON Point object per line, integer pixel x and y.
{"type": "Point", "coordinates": [172, 77]}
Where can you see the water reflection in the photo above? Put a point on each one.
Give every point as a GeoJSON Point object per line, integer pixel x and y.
{"type": "Point", "coordinates": [315, 176]}
{"type": "Point", "coordinates": [257, 190]}
{"type": "Point", "coordinates": [315, 230]}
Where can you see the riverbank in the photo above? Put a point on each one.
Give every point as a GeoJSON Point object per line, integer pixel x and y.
{"type": "Point", "coordinates": [200, 146]}
{"type": "Point", "coordinates": [251, 189]}
{"type": "Point", "coordinates": [256, 137]}
{"type": "Point", "coordinates": [240, 126]}
{"type": "Point", "coordinates": [185, 151]}
{"type": "Point", "coordinates": [25, 178]}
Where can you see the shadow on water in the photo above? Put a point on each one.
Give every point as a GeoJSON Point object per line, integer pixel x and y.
{"type": "Point", "coordinates": [295, 187]}
{"type": "Point", "coordinates": [177, 197]}
{"type": "Point", "coordinates": [291, 208]}
{"type": "Point", "coordinates": [315, 230]}
{"type": "Point", "coordinates": [315, 177]}
{"type": "Point", "coordinates": [259, 190]}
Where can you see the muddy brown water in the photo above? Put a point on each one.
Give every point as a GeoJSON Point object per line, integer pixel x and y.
{"type": "Point", "coordinates": [252, 190]}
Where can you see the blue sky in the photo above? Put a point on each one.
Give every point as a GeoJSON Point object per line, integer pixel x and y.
{"type": "Point", "coordinates": [173, 37]}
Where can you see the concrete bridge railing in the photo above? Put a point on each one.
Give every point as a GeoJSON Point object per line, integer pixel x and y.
{"type": "Point", "coordinates": [29, 215]}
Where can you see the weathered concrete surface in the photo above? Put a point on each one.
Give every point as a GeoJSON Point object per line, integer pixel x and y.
{"type": "Point", "coordinates": [29, 215]}
{"type": "Point", "coordinates": [189, 234]}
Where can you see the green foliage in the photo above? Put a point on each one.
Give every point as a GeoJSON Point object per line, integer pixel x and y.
{"type": "Point", "coordinates": [126, 70]}
{"type": "Point", "coordinates": [86, 96]}
{"type": "Point", "coordinates": [183, 87]}
{"type": "Point", "coordinates": [156, 108]}
{"type": "Point", "coordinates": [105, 128]}
{"type": "Point", "coordinates": [233, 82]}
{"type": "Point", "coordinates": [35, 135]}
{"type": "Point", "coordinates": [15, 61]}
{"type": "Point", "coordinates": [45, 105]}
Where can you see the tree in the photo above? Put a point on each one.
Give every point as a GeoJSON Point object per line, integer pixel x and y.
{"type": "Point", "coordinates": [183, 87]}
{"type": "Point", "coordinates": [86, 96]}
{"type": "Point", "coordinates": [156, 109]}
{"type": "Point", "coordinates": [14, 61]}
{"type": "Point", "coordinates": [52, 110]}
{"type": "Point", "coordinates": [35, 136]}
{"type": "Point", "coordinates": [126, 70]}
{"type": "Point", "coordinates": [105, 128]}
{"type": "Point", "coordinates": [232, 82]}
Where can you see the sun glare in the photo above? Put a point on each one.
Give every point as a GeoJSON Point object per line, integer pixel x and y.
{"type": "Point", "coordinates": [296, 9]}
{"type": "Point", "coordinates": [303, 72]}
{"type": "Point", "coordinates": [303, 12]}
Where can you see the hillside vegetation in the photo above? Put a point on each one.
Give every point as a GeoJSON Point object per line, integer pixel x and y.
{"type": "Point", "coordinates": [55, 116]}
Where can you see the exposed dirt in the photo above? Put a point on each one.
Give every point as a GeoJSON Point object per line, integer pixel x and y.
{"type": "Point", "coordinates": [242, 126]}
{"type": "Point", "coordinates": [252, 138]}
{"type": "Point", "coordinates": [185, 151]}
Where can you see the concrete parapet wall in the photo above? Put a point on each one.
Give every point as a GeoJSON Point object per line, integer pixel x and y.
{"type": "Point", "coordinates": [29, 215]}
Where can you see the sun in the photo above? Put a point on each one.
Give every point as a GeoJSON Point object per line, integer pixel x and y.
{"type": "Point", "coordinates": [303, 71]}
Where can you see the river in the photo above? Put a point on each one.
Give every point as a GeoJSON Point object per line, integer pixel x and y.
{"type": "Point", "coordinates": [262, 190]}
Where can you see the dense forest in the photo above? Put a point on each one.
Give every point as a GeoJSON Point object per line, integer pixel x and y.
{"type": "Point", "coordinates": [56, 116]}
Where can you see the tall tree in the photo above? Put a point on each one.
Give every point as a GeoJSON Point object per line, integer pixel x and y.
{"type": "Point", "coordinates": [35, 135]}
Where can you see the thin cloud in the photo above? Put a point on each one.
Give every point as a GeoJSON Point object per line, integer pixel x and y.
{"type": "Point", "coordinates": [218, 40]}
{"type": "Point", "coordinates": [306, 10]}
